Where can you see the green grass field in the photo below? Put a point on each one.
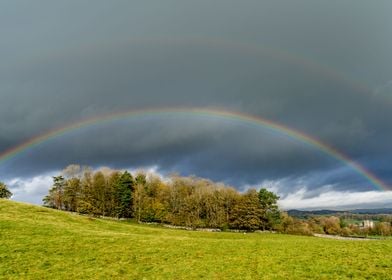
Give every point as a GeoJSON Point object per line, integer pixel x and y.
{"type": "Point", "coordinates": [40, 243]}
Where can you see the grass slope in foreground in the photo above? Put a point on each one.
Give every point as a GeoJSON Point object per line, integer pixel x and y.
{"type": "Point", "coordinates": [40, 243]}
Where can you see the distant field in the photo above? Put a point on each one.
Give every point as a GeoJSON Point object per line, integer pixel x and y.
{"type": "Point", "coordinates": [40, 243]}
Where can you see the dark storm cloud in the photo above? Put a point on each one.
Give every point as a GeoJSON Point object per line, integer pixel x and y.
{"type": "Point", "coordinates": [69, 61]}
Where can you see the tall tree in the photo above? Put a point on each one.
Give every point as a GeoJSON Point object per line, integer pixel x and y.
{"type": "Point", "coordinates": [247, 213]}
{"type": "Point", "coordinates": [86, 203]}
{"type": "Point", "coordinates": [123, 194]}
{"type": "Point", "coordinates": [4, 192]}
{"type": "Point", "coordinates": [138, 195]}
{"type": "Point", "coordinates": [72, 194]}
{"type": "Point", "coordinates": [98, 194]}
{"type": "Point", "coordinates": [55, 198]}
{"type": "Point", "coordinates": [270, 210]}
{"type": "Point", "coordinates": [150, 200]}
{"type": "Point", "coordinates": [111, 202]}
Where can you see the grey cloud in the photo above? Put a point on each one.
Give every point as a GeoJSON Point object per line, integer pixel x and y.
{"type": "Point", "coordinates": [310, 66]}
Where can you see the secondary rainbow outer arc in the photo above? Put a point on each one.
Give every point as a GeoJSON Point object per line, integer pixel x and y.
{"type": "Point", "coordinates": [241, 46]}
{"type": "Point", "coordinates": [265, 123]}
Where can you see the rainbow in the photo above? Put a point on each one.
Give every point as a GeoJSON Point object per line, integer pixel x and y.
{"type": "Point", "coordinates": [250, 48]}
{"type": "Point", "coordinates": [228, 115]}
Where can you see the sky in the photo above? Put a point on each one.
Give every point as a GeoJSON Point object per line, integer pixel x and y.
{"type": "Point", "coordinates": [322, 69]}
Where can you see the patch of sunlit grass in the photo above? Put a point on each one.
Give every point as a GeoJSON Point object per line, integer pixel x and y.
{"type": "Point", "coordinates": [40, 243]}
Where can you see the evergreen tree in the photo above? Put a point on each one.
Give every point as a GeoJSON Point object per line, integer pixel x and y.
{"type": "Point", "coordinates": [123, 195]}
{"type": "Point", "coordinates": [270, 211]}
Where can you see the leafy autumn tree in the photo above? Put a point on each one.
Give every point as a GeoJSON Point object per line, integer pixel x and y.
{"type": "Point", "coordinates": [72, 194]}
{"type": "Point", "coordinates": [55, 198]}
{"type": "Point", "coordinates": [230, 198]}
{"type": "Point", "coordinates": [98, 194]}
{"type": "Point", "coordinates": [331, 225]}
{"type": "Point", "coordinates": [111, 201]}
{"type": "Point", "coordinates": [214, 207]}
{"type": "Point", "coordinates": [247, 214]}
{"type": "Point", "coordinates": [177, 192]}
{"type": "Point", "coordinates": [382, 228]}
{"type": "Point", "coordinates": [151, 200]}
{"type": "Point", "coordinates": [292, 225]}
{"type": "Point", "coordinates": [4, 192]}
{"type": "Point", "coordinates": [86, 203]}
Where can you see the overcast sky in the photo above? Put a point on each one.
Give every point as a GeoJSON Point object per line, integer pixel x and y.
{"type": "Point", "coordinates": [320, 67]}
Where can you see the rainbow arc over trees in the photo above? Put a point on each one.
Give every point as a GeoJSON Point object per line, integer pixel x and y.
{"type": "Point", "coordinates": [208, 112]}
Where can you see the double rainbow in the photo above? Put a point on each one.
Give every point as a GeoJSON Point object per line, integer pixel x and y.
{"type": "Point", "coordinates": [228, 115]}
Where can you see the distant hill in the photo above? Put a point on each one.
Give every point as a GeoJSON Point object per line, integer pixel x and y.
{"type": "Point", "coordinates": [372, 211]}
{"type": "Point", "coordinates": [307, 213]}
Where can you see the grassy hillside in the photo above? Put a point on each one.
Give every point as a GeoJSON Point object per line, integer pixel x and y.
{"type": "Point", "coordinates": [40, 243]}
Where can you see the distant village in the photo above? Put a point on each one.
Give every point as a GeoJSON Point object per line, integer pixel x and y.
{"type": "Point", "coordinates": [347, 223]}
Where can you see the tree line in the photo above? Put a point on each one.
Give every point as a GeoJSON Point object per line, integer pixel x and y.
{"type": "Point", "coordinates": [187, 201]}
{"type": "Point", "coordinates": [181, 201]}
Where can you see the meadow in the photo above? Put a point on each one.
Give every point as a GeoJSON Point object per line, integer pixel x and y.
{"type": "Point", "coordinates": [42, 243]}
